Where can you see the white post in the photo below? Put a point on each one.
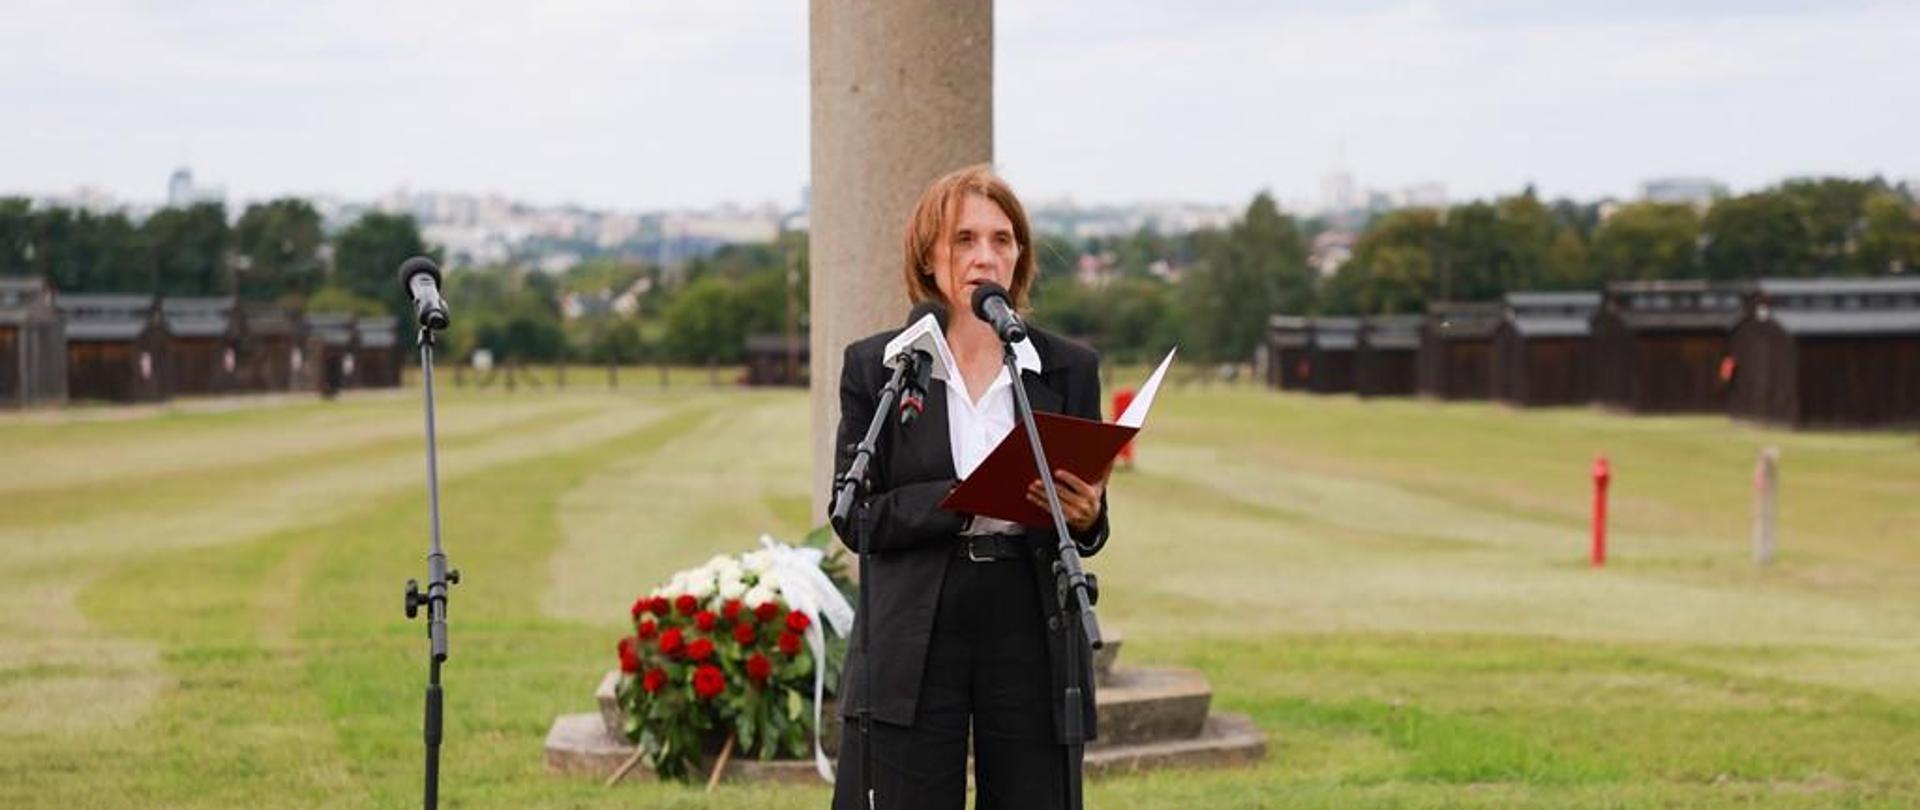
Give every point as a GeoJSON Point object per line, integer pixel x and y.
{"type": "Point", "coordinates": [1766, 488]}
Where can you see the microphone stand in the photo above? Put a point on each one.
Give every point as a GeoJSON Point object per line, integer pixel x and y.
{"type": "Point", "coordinates": [439, 578]}
{"type": "Point", "coordinates": [1075, 590]}
{"type": "Point", "coordinates": [855, 482]}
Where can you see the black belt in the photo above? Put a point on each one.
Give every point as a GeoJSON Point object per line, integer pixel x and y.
{"type": "Point", "coordinates": [991, 547]}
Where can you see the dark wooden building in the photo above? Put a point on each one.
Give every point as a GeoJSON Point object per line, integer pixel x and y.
{"type": "Point", "coordinates": [1540, 350]}
{"type": "Point", "coordinates": [1456, 349]}
{"type": "Point", "coordinates": [376, 357]}
{"type": "Point", "coordinates": [331, 340]}
{"type": "Point", "coordinates": [1829, 353]}
{"type": "Point", "coordinates": [33, 345]}
{"type": "Point", "coordinates": [771, 360]}
{"type": "Point", "coordinates": [1332, 344]}
{"type": "Point", "coordinates": [273, 357]}
{"type": "Point", "coordinates": [1289, 360]}
{"type": "Point", "coordinates": [203, 346]}
{"type": "Point", "coordinates": [116, 348]}
{"type": "Point", "coordinates": [1389, 351]}
{"type": "Point", "coordinates": [1659, 346]}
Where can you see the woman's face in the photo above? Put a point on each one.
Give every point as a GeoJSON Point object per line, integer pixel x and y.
{"type": "Point", "coordinates": [980, 247]}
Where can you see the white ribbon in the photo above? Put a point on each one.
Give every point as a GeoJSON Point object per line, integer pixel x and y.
{"type": "Point", "coordinates": [808, 589]}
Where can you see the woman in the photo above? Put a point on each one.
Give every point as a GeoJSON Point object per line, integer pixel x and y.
{"type": "Point", "coordinates": [961, 605]}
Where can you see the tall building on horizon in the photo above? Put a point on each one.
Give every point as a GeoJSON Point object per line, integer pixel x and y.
{"type": "Point", "coordinates": [183, 192]}
{"type": "Point", "coordinates": [1338, 192]}
{"type": "Point", "coordinates": [1430, 194]}
{"type": "Point", "coordinates": [1698, 192]}
{"type": "Point", "coordinates": [180, 187]}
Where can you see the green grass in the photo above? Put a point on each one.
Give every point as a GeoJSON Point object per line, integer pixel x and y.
{"type": "Point", "coordinates": [200, 605]}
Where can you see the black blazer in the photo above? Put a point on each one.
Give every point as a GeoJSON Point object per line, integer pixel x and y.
{"type": "Point", "coordinates": [911, 538]}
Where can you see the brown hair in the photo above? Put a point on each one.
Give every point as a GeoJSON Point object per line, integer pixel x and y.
{"type": "Point", "coordinates": [933, 216]}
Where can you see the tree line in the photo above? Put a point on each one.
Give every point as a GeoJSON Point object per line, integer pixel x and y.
{"type": "Point", "coordinates": [1799, 228]}
{"type": "Point", "coordinates": [279, 251]}
{"type": "Point", "coordinates": [1133, 296]}
{"type": "Point", "coordinates": [629, 311]}
{"type": "Point", "coordinates": [276, 251]}
{"type": "Point", "coordinates": [1230, 280]}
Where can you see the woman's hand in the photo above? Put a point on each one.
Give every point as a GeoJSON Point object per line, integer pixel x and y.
{"type": "Point", "coordinates": [1079, 500]}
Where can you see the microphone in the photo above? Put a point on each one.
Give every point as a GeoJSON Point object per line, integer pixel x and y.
{"type": "Point", "coordinates": [420, 278]}
{"type": "Point", "coordinates": [918, 344]}
{"type": "Point", "coordinates": [990, 304]}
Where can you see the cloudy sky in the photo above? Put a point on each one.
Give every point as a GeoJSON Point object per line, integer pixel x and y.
{"type": "Point", "coordinates": [645, 105]}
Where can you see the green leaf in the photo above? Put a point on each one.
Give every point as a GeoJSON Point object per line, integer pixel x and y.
{"type": "Point", "coordinates": [797, 741]}
{"type": "Point", "coordinates": [769, 738]}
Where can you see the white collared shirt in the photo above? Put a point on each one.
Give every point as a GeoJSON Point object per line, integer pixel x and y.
{"type": "Point", "coordinates": [974, 429]}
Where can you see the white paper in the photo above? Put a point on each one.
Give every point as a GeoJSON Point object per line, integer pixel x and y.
{"type": "Point", "coordinates": [1136, 414]}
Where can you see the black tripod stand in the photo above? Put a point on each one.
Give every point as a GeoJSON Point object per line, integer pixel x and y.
{"type": "Point", "coordinates": [1076, 591]}
{"type": "Point", "coordinates": [439, 579]}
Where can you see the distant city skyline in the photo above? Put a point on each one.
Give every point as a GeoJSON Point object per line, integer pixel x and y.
{"type": "Point", "coordinates": [612, 106]}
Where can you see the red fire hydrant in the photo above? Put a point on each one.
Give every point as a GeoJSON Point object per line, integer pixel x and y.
{"type": "Point", "coordinates": [1601, 475]}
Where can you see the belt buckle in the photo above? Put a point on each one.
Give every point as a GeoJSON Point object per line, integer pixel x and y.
{"type": "Point", "coordinates": [972, 557]}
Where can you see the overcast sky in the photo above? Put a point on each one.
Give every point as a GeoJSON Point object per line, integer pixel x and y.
{"type": "Point", "coordinates": [644, 105]}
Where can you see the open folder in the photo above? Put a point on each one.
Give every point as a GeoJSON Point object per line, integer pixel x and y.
{"type": "Point", "coordinates": [998, 487]}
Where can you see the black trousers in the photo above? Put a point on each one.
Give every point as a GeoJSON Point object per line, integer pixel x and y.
{"type": "Point", "coordinates": [987, 671]}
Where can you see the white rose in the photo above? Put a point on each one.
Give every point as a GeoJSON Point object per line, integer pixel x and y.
{"type": "Point", "coordinates": [732, 588]}
{"type": "Point", "coordinates": [758, 561]}
{"type": "Point", "coordinates": [702, 586]}
{"type": "Point", "coordinates": [771, 581]}
{"type": "Point", "coordinates": [758, 595]}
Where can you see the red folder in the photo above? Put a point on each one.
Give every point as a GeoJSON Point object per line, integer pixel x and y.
{"type": "Point", "coordinates": [998, 487]}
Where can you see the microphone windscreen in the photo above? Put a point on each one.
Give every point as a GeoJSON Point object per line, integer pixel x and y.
{"type": "Point", "coordinates": [986, 291]}
{"type": "Point", "coordinates": [415, 266]}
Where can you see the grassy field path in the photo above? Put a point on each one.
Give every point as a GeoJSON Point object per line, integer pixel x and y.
{"type": "Point", "coordinates": [200, 608]}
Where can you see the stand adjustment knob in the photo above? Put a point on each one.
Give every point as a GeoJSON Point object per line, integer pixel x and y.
{"type": "Point", "coordinates": [414, 599]}
{"type": "Point", "coordinates": [1093, 589]}
{"type": "Point", "coordinates": [453, 577]}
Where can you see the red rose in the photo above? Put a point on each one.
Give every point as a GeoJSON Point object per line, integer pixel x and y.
{"type": "Point", "coordinates": [654, 679]}
{"type": "Point", "coordinates": [660, 606]}
{"type": "Point", "coordinates": [629, 657]}
{"type": "Point", "coordinates": [700, 650]}
{"type": "Point", "coordinates": [797, 622]}
{"type": "Point", "coordinates": [758, 668]}
{"type": "Point", "coordinates": [671, 642]}
{"type": "Point", "coordinates": [704, 620]}
{"type": "Point", "coordinates": [709, 681]}
{"type": "Point", "coordinates": [732, 609]}
{"type": "Point", "coordinates": [766, 611]}
{"type": "Point", "coordinates": [789, 643]}
{"type": "Point", "coordinates": [686, 604]}
{"type": "Point", "coordinates": [648, 629]}
{"type": "Point", "coordinates": [743, 634]}
{"type": "Point", "coordinates": [640, 606]}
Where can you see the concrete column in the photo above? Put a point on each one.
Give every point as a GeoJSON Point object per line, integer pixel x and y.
{"type": "Point", "coordinates": [902, 92]}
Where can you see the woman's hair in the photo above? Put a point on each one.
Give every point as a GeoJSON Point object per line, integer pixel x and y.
{"type": "Point", "coordinates": [933, 218]}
